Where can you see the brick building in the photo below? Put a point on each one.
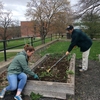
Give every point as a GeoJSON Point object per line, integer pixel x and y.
{"type": "Point", "coordinates": [27, 28]}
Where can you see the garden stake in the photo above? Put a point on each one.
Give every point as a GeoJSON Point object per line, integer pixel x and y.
{"type": "Point", "coordinates": [55, 64]}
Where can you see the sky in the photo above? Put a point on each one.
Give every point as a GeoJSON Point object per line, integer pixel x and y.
{"type": "Point", "coordinates": [18, 8]}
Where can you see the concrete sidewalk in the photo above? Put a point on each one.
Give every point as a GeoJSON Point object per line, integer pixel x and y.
{"type": "Point", "coordinates": [5, 64]}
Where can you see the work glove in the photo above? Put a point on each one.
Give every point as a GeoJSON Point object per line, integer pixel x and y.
{"type": "Point", "coordinates": [36, 76]}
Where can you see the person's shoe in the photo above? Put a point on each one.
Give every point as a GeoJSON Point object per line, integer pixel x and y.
{"type": "Point", "coordinates": [18, 97]}
{"type": "Point", "coordinates": [2, 93]}
{"type": "Point", "coordinates": [82, 70]}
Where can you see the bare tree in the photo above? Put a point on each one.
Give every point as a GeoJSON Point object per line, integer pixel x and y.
{"type": "Point", "coordinates": [89, 15]}
{"type": "Point", "coordinates": [15, 29]}
{"type": "Point", "coordinates": [88, 6]}
{"type": "Point", "coordinates": [45, 11]}
{"type": "Point", "coordinates": [59, 23]}
{"type": "Point", "coordinates": [8, 28]}
{"type": "Point", "coordinates": [5, 22]}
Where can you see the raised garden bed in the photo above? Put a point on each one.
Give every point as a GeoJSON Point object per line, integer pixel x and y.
{"type": "Point", "coordinates": [57, 83]}
{"type": "Point", "coordinates": [3, 80]}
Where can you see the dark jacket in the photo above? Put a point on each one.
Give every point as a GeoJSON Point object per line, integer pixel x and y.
{"type": "Point", "coordinates": [20, 64]}
{"type": "Point", "coordinates": [81, 40]}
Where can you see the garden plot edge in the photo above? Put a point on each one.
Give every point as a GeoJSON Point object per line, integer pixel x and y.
{"type": "Point", "coordinates": [53, 89]}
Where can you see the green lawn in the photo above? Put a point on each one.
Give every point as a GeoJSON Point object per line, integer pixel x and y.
{"type": "Point", "coordinates": [62, 46]}
{"type": "Point", "coordinates": [9, 55]}
{"type": "Point", "coordinates": [36, 42]}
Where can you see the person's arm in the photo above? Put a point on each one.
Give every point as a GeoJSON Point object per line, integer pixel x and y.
{"type": "Point", "coordinates": [73, 42]}
{"type": "Point", "coordinates": [24, 65]}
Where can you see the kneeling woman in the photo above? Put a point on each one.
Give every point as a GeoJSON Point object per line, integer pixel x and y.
{"type": "Point", "coordinates": [17, 72]}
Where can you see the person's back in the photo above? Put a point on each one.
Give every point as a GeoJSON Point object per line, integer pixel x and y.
{"type": "Point", "coordinates": [16, 65]}
{"type": "Point", "coordinates": [83, 41]}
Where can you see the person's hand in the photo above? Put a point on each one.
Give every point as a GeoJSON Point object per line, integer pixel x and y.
{"type": "Point", "coordinates": [67, 53]}
{"type": "Point", "coordinates": [36, 76]}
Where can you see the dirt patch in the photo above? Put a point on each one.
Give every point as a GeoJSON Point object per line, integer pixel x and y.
{"type": "Point", "coordinates": [57, 74]}
{"type": "Point", "coordinates": [3, 80]}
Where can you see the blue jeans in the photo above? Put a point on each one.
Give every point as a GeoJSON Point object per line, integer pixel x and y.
{"type": "Point", "coordinates": [16, 81]}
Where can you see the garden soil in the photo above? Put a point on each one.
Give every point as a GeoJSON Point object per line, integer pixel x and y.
{"type": "Point", "coordinates": [87, 84]}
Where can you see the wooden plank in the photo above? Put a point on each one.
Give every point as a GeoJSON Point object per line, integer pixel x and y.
{"type": "Point", "coordinates": [53, 89]}
{"type": "Point", "coordinates": [49, 89]}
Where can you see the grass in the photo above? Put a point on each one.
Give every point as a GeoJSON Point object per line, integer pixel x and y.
{"type": "Point", "coordinates": [37, 42]}
{"type": "Point", "coordinates": [9, 55]}
{"type": "Point", "coordinates": [62, 46]}
{"type": "Point", "coordinates": [14, 43]}
{"type": "Point", "coordinates": [95, 50]}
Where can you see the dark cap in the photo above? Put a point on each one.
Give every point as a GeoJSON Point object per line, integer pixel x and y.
{"type": "Point", "coordinates": [69, 27]}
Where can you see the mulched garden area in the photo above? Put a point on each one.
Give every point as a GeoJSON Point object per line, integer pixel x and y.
{"type": "Point", "coordinates": [57, 74]}
{"type": "Point", "coordinates": [87, 84]}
